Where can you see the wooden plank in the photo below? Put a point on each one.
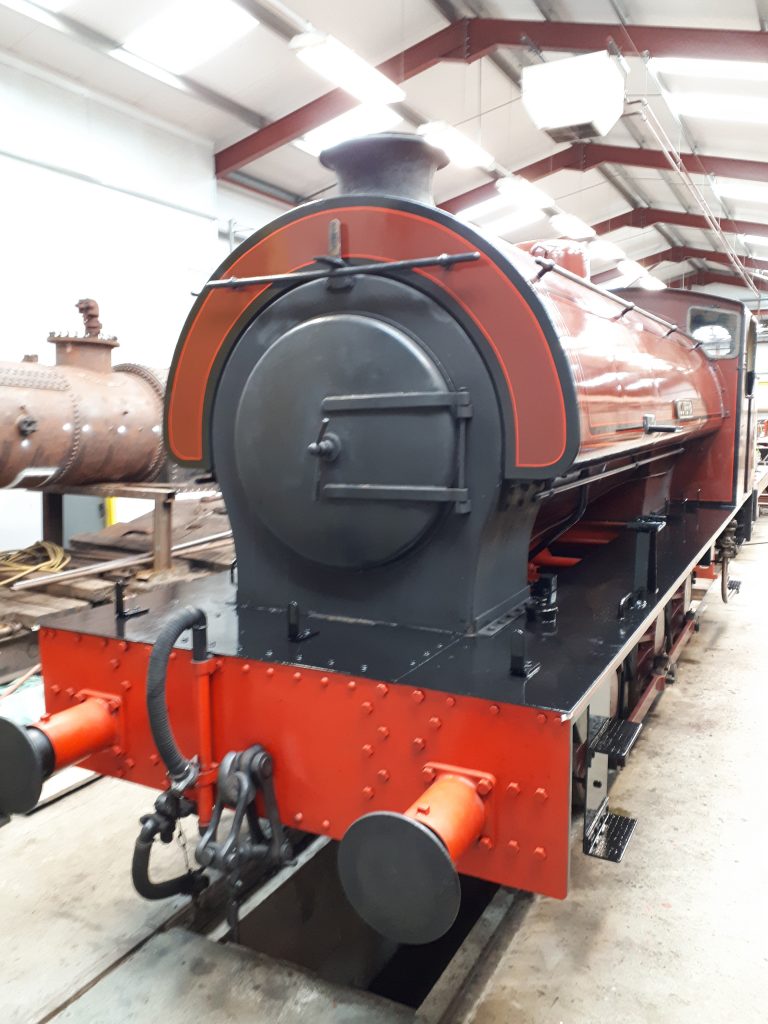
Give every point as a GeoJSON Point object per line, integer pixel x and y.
{"type": "Point", "coordinates": [191, 519]}
{"type": "Point", "coordinates": [94, 590]}
{"type": "Point", "coordinates": [62, 783]}
{"type": "Point", "coordinates": [68, 909]}
{"type": "Point", "coordinates": [30, 607]}
{"type": "Point", "coordinates": [216, 558]}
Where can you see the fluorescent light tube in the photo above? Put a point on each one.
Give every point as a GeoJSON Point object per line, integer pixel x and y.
{"type": "Point", "coordinates": [621, 281]}
{"type": "Point", "coordinates": [189, 32]}
{"type": "Point", "coordinates": [344, 68]}
{"type": "Point", "coordinates": [712, 106]}
{"type": "Point", "coordinates": [568, 226]}
{"type": "Point", "coordinates": [521, 192]}
{"type": "Point", "coordinates": [631, 270]}
{"type": "Point", "coordinates": [601, 249]}
{"type": "Point", "coordinates": [146, 67]}
{"type": "Point", "coordinates": [651, 283]}
{"type": "Point", "coordinates": [694, 67]}
{"type": "Point", "coordinates": [512, 222]}
{"type": "Point", "coordinates": [746, 191]}
{"type": "Point", "coordinates": [513, 193]}
{"type": "Point", "coordinates": [754, 239]}
{"type": "Point", "coordinates": [633, 279]}
{"type": "Point", "coordinates": [43, 16]}
{"type": "Point", "coordinates": [362, 120]}
{"type": "Point", "coordinates": [458, 147]}
{"type": "Point", "coordinates": [486, 208]}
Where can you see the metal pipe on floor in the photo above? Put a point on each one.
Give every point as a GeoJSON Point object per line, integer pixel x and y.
{"type": "Point", "coordinates": [119, 563]}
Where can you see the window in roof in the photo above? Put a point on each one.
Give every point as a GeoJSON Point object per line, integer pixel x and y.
{"type": "Point", "coordinates": [712, 106]}
{"type": "Point", "coordinates": [744, 191]}
{"type": "Point", "coordinates": [54, 6]}
{"type": "Point", "coordinates": [189, 32]}
{"type": "Point", "coordinates": [696, 67]}
{"type": "Point", "coordinates": [344, 68]}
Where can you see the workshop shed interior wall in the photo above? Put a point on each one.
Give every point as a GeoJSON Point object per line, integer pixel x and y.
{"type": "Point", "coordinates": [100, 203]}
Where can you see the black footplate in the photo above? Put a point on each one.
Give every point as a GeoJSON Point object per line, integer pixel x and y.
{"type": "Point", "coordinates": [611, 838]}
{"type": "Point", "coordinates": [614, 737]}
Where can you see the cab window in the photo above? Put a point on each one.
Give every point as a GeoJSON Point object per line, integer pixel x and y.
{"type": "Point", "coordinates": [715, 330]}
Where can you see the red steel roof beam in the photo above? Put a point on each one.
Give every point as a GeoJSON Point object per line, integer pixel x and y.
{"type": "Point", "coordinates": [702, 277]}
{"type": "Point", "coordinates": [647, 217]}
{"type": "Point", "coordinates": [447, 44]}
{"type": "Point", "coordinates": [471, 38]}
{"type": "Point", "coordinates": [654, 159]}
{"type": "Point", "coordinates": [485, 34]}
{"type": "Point", "coordinates": [570, 158]}
{"type": "Point", "coordinates": [583, 156]}
{"type": "Point", "coordinates": [681, 253]}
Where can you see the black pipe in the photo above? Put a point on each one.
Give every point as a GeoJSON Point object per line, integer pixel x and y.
{"type": "Point", "coordinates": [563, 526]}
{"type": "Point", "coordinates": [188, 884]}
{"type": "Point", "coordinates": [634, 464]}
{"type": "Point", "coordinates": [180, 768]}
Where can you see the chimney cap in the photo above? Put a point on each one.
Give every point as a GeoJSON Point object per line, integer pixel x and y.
{"type": "Point", "coordinates": [389, 163]}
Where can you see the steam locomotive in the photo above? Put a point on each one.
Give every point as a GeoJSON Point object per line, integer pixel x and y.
{"type": "Point", "coordinates": [469, 491]}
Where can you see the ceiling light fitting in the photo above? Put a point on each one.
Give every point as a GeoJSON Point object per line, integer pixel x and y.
{"type": "Point", "coordinates": [344, 68]}
{"type": "Point", "coordinates": [457, 146]}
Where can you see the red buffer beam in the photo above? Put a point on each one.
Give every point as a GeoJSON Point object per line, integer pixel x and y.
{"type": "Point", "coordinates": [471, 38]}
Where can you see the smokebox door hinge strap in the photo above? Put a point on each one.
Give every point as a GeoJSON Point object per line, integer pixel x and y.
{"type": "Point", "coordinates": [459, 403]}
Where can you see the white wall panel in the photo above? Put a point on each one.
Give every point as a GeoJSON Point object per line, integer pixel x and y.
{"type": "Point", "coordinates": [96, 203]}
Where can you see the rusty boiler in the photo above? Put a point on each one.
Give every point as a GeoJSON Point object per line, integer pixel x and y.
{"type": "Point", "coordinates": [80, 421]}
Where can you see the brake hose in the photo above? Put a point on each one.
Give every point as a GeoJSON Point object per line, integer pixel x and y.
{"type": "Point", "coordinates": [182, 771]}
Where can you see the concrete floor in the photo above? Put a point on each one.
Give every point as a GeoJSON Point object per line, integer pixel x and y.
{"type": "Point", "coordinates": [676, 934]}
{"type": "Point", "coordinates": [68, 911]}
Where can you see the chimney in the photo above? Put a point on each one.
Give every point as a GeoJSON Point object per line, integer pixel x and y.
{"type": "Point", "coordinates": [390, 164]}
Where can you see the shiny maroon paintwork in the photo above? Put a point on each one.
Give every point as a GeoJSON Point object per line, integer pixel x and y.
{"type": "Point", "coordinates": [625, 365]}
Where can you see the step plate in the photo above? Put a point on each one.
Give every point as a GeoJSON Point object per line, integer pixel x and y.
{"type": "Point", "coordinates": [616, 737]}
{"type": "Point", "coordinates": [612, 838]}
